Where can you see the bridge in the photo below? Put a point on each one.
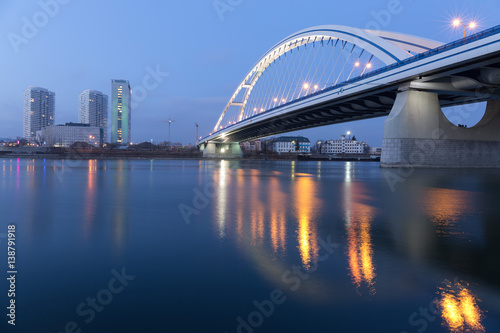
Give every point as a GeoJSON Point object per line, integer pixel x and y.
{"type": "Point", "coordinates": [332, 74]}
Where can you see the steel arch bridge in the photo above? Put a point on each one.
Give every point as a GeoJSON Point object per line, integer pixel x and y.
{"type": "Point", "coordinates": [387, 47]}
{"type": "Point", "coordinates": [332, 74]}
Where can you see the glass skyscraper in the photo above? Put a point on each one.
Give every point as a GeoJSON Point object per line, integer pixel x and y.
{"type": "Point", "coordinates": [121, 95]}
{"type": "Point", "coordinates": [93, 110]}
{"type": "Point", "coordinates": [39, 106]}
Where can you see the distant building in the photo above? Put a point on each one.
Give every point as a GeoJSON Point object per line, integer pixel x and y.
{"type": "Point", "coordinates": [292, 144]}
{"type": "Point", "coordinates": [252, 145]}
{"type": "Point", "coordinates": [39, 106]}
{"type": "Point", "coordinates": [66, 135]}
{"type": "Point", "coordinates": [121, 112]}
{"type": "Point", "coordinates": [93, 110]}
{"type": "Point", "coordinates": [376, 151]}
{"type": "Point", "coordinates": [343, 146]}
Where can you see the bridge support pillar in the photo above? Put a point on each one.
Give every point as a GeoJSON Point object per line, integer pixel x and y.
{"type": "Point", "coordinates": [223, 150]}
{"type": "Point", "coordinates": [418, 135]}
{"type": "Point", "coordinates": [210, 150]}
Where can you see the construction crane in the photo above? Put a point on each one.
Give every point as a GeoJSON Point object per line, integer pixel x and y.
{"type": "Point", "coordinates": [196, 131]}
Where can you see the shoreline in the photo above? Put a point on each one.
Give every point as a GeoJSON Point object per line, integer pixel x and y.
{"type": "Point", "coordinates": [140, 158]}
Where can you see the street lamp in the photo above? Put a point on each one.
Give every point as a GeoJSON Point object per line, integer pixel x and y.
{"type": "Point", "coordinates": [170, 121]}
{"type": "Point", "coordinates": [349, 134]}
{"type": "Point", "coordinates": [471, 25]}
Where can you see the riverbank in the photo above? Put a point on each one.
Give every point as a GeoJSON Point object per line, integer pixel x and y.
{"type": "Point", "coordinates": [126, 154]}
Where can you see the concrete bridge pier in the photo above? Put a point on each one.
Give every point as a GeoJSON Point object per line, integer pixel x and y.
{"type": "Point", "coordinates": [418, 135]}
{"type": "Point", "coordinates": [222, 150]}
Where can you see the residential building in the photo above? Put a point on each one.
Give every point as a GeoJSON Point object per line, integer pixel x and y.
{"type": "Point", "coordinates": [121, 112]}
{"type": "Point", "coordinates": [93, 110]}
{"type": "Point", "coordinates": [66, 135]}
{"type": "Point", "coordinates": [343, 146]}
{"type": "Point", "coordinates": [252, 145]}
{"type": "Point", "coordinates": [39, 111]}
{"type": "Point", "coordinates": [292, 144]}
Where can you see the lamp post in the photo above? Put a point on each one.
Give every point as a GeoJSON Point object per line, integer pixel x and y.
{"type": "Point", "coordinates": [196, 131]}
{"type": "Point", "coordinates": [170, 121]}
{"type": "Point", "coordinates": [471, 25]}
{"type": "Point", "coordinates": [349, 134]}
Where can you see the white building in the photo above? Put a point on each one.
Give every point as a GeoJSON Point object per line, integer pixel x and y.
{"type": "Point", "coordinates": [93, 110]}
{"type": "Point", "coordinates": [66, 135]}
{"type": "Point", "coordinates": [39, 106]}
{"type": "Point", "coordinates": [343, 146]}
{"type": "Point", "coordinates": [292, 144]}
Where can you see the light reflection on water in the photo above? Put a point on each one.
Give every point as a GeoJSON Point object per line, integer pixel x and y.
{"type": "Point", "coordinates": [274, 216]}
{"type": "Point", "coordinates": [307, 205]}
{"type": "Point", "coordinates": [359, 215]}
{"type": "Point", "coordinates": [459, 308]}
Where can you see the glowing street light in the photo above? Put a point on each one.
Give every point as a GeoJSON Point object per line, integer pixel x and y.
{"type": "Point", "coordinates": [283, 100]}
{"type": "Point", "coordinates": [316, 87]}
{"type": "Point", "coordinates": [275, 100]}
{"type": "Point", "coordinates": [357, 64]}
{"type": "Point", "coordinates": [368, 65]}
{"type": "Point", "coordinates": [458, 23]}
{"type": "Point", "coordinates": [306, 86]}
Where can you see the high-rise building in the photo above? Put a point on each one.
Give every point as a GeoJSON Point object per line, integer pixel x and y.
{"type": "Point", "coordinates": [121, 95]}
{"type": "Point", "coordinates": [93, 110]}
{"type": "Point", "coordinates": [39, 106]}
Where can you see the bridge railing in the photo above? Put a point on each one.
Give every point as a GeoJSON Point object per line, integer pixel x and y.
{"type": "Point", "coordinates": [446, 47]}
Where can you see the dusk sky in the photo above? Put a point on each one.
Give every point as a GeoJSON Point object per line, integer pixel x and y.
{"type": "Point", "coordinates": [206, 53]}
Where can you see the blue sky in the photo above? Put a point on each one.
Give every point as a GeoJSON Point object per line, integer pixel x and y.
{"type": "Point", "coordinates": [85, 44]}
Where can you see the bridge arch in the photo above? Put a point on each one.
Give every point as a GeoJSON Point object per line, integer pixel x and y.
{"type": "Point", "coordinates": [387, 47]}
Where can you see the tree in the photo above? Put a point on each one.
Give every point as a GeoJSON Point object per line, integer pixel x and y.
{"type": "Point", "coordinates": [40, 139]}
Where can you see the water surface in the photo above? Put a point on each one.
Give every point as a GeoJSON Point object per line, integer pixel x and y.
{"type": "Point", "coordinates": [228, 246]}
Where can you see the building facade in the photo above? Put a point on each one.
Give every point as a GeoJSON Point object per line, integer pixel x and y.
{"type": "Point", "coordinates": [121, 112]}
{"type": "Point", "coordinates": [292, 144]}
{"type": "Point", "coordinates": [66, 135]}
{"type": "Point", "coordinates": [93, 110]}
{"type": "Point", "coordinates": [343, 146]}
{"type": "Point", "coordinates": [39, 111]}
{"type": "Point", "coordinates": [254, 145]}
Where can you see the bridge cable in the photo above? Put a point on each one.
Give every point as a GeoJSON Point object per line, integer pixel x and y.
{"type": "Point", "coordinates": [320, 63]}
{"type": "Point", "coordinates": [327, 65]}
{"type": "Point", "coordinates": [336, 62]}
{"type": "Point", "coordinates": [283, 78]}
{"type": "Point", "coordinates": [302, 74]}
{"type": "Point", "coordinates": [295, 72]}
{"type": "Point", "coordinates": [277, 84]}
{"type": "Point", "coordinates": [310, 68]}
{"type": "Point", "coordinates": [354, 67]}
{"type": "Point", "coordinates": [346, 61]}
